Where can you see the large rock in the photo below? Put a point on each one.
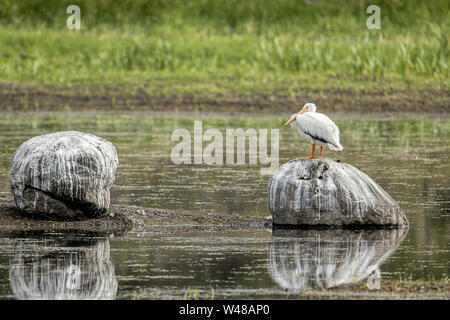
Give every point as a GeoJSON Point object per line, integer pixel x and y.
{"type": "Point", "coordinates": [325, 192]}
{"type": "Point", "coordinates": [63, 175]}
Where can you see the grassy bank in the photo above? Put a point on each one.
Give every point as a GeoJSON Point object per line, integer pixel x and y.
{"type": "Point", "coordinates": [227, 46]}
{"type": "Point", "coordinates": [62, 56]}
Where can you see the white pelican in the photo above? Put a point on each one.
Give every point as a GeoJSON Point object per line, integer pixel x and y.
{"type": "Point", "coordinates": [315, 127]}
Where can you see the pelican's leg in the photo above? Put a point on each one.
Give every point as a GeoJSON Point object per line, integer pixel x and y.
{"type": "Point", "coordinates": [312, 152]}
{"type": "Point", "coordinates": [321, 150]}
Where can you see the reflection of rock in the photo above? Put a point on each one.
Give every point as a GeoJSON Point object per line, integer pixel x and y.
{"type": "Point", "coordinates": [62, 270]}
{"type": "Point", "coordinates": [301, 259]}
{"type": "Point", "coordinates": [65, 175]}
{"type": "Point", "coordinates": [326, 192]}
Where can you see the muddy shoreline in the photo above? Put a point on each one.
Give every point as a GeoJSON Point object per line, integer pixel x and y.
{"type": "Point", "coordinates": [184, 97]}
{"type": "Point", "coordinates": [389, 289]}
{"type": "Point", "coordinates": [121, 219]}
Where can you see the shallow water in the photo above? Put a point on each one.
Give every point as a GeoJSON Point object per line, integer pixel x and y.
{"type": "Point", "coordinates": [408, 158]}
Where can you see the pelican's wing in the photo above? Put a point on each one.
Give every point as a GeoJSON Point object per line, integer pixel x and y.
{"type": "Point", "coordinates": [319, 127]}
{"type": "Point", "coordinates": [324, 119]}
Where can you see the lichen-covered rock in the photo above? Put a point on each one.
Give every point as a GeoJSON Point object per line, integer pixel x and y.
{"type": "Point", "coordinates": [325, 192]}
{"type": "Point", "coordinates": [63, 175]}
{"type": "Point", "coordinates": [303, 259]}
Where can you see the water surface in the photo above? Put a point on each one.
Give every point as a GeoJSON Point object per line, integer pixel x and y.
{"type": "Point", "coordinates": [407, 157]}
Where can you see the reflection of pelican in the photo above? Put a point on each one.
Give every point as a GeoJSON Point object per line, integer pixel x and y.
{"type": "Point", "coordinates": [62, 270]}
{"type": "Point", "coordinates": [315, 127]}
{"type": "Point", "coordinates": [301, 259]}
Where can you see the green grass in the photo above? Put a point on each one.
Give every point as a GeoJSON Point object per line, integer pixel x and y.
{"type": "Point", "coordinates": [252, 44]}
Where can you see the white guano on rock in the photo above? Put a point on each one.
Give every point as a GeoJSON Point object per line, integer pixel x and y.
{"type": "Point", "coordinates": [321, 191]}
{"type": "Point", "coordinates": [63, 175]}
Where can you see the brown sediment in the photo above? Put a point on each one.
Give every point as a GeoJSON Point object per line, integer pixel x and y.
{"type": "Point", "coordinates": [184, 97]}
{"type": "Point", "coordinates": [123, 218]}
{"type": "Point", "coordinates": [388, 289]}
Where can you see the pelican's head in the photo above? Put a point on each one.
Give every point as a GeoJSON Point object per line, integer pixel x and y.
{"type": "Point", "coordinates": [309, 107]}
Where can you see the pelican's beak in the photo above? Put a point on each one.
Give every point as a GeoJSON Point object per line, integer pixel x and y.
{"type": "Point", "coordinates": [295, 116]}
{"type": "Point", "coordinates": [302, 111]}
{"type": "Point", "coordinates": [290, 120]}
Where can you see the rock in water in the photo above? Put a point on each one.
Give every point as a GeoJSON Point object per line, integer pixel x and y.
{"type": "Point", "coordinates": [325, 192]}
{"type": "Point", "coordinates": [63, 175]}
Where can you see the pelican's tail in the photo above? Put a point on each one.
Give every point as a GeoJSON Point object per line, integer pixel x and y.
{"type": "Point", "coordinates": [337, 147]}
